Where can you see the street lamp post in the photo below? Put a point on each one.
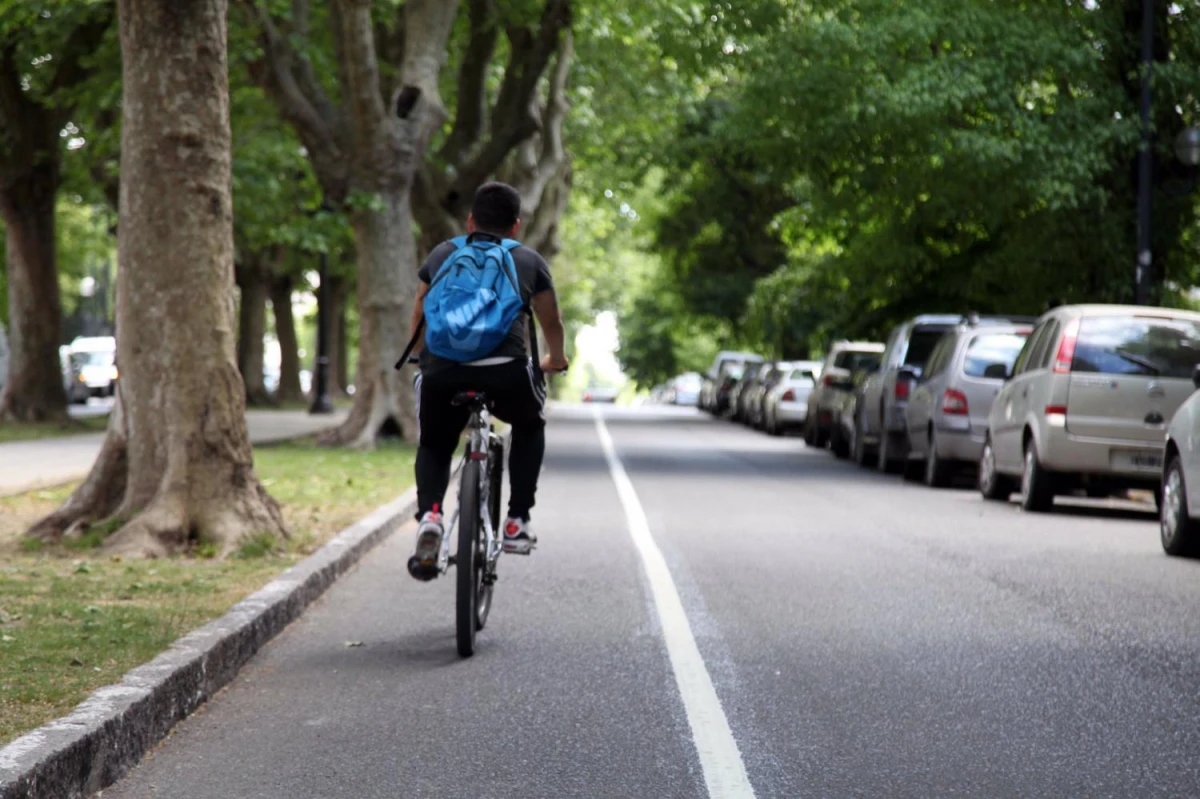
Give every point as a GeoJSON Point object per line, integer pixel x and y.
{"type": "Point", "coordinates": [321, 403]}
{"type": "Point", "coordinates": [1143, 280]}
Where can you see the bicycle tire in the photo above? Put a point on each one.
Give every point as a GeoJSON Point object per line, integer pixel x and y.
{"type": "Point", "coordinates": [470, 534]}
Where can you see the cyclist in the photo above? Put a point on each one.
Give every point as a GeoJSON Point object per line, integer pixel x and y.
{"type": "Point", "coordinates": [507, 376]}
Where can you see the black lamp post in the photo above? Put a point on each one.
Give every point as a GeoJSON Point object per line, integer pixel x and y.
{"type": "Point", "coordinates": [321, 403]}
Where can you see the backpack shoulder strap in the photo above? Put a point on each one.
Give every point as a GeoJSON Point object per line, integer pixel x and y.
{"type": "Point", "coordinates": [459, 242]}
{"type": "Point", "coordinates": [510, 244]}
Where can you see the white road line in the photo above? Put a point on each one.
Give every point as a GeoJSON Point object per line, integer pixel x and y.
{"type": "Point", "coordinates": [724, 771]}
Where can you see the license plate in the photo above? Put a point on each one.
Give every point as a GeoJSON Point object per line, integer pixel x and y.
{"type": "Point", "coordinates": [1142, 461]}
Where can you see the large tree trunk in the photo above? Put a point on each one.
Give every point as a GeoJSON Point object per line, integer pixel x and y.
{"type": "Point", "coordinates": [252, 328]}
{"type": "Point", "coordinates": [289, 345]}
{"type": "Point", "coordinates": [33, 389]}
{"type": "Point", "coordinates": [188, 466]}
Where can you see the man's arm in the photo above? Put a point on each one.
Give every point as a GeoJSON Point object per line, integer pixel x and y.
{"type": "Point", "coordinates": [545, 307]}
{"type": "Point", "coordinates": [418, 314]}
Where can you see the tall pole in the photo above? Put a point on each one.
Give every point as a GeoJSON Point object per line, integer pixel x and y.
{"type": "Point", "coordinates": [1145, 254]}
{"type": "Point", "coordinates": [321, 403]}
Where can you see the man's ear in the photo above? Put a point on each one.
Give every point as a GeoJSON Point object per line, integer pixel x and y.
{"type": "Point", "coordinates": [470, 223]}
{"type": "Point", "coordinates": [516, 229]}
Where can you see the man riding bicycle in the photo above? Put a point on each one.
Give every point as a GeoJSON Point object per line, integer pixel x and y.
{"type": "Point", "coordinates": [506, 374]}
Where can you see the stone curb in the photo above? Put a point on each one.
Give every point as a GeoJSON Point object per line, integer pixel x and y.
{"type": "Point", "coordinates": [107, 735]}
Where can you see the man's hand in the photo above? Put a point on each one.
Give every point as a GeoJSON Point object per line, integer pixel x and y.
{"type": "Point", "coordinates": [552, 366]}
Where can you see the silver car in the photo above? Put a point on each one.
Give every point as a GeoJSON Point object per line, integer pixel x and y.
{"type": "Point", "coordinates": [1179, 521]}
{"type": "Point", "coordinates": [947, 413]}
{"type": "Point", "coordinates": [785, 405]}
{"type": "Point", "coordinates": [826, 401]}
{"type": "Point", "coordinates": [1088, 403]}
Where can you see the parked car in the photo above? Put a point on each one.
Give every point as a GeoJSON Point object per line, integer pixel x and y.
{"type": "Point", "coordinates": [948, 411]}
{"type": "Point", "coordinates": [885, 393]}
{"type": "Point", "coordinates": [754, 394]}
{"type": "Point", "coordinates": [717, 379]}
{"type": "Point", "coordinates": [749, 379]}
{"type": "Point", "coordinates": [97, 362]}
{"type": "Point", "coordinates": [600, 394]}
{"type": "Point", "coordinates": [1088, 403]}
{"type": "Point", "coordinates": [843, 438]}
{"type": "Point", "coordinates": [74, 382]}
{"type": "Point", "coordinates": [785, 403]}
{"type": "Point", "coordinates": [1179, 511]}
{"type": "Point", "coordinates": [685, 389]}
{"type": "Point", "coordinates": [845, 358]}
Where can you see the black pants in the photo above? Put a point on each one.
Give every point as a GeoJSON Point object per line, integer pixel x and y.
{"type": "Point", "coordinates": [518, 396]}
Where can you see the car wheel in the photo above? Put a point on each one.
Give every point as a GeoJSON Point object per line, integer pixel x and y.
{"type": "Point", "coordinates": [938, 472]}
{"type": "Point", "coordinates": [862, 455]}
{"type": "Point", "coordinates": [1037, 485]}
{"type": "Point", "coordinates": [1179, 531]}
{"type": "Point", "coordinates": [992, 484]}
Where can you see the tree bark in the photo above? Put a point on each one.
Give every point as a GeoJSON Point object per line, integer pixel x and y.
{"type": "Point", "coordinates": [188, 467]}
{"type": "Point", "coordinates": [34, 389]}
{"type": "Point", "coordinates": [252, 328]}
{"type": "Point", "coordinates": [289, 345]}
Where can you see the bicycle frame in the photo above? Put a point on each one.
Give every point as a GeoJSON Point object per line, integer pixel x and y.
{"type": "Point", "coordinates": [479, 440]}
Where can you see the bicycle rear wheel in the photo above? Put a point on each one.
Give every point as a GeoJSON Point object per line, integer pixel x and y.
{"type": "Point", "coordinates": [472, 596]}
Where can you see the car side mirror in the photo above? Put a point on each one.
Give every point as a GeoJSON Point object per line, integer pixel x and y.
{"type": "Point", "coordinates": [1196, 376]}
{"type": "Point", "coordinates": [909, 372]}
{"type": "Point", "coordinates": [999, 371]}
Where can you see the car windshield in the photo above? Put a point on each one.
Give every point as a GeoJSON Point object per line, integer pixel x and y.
{"type": "Point", "coordinates": [989, 348]}
{"type": "Point", "coordinates": [94, 358]}
{"type": "Point", "coordinates": [1137, 345]}
{"type": "Point", "coordinates": [921, 344]}
{"type": "Point", "coordinates": [853, 360]}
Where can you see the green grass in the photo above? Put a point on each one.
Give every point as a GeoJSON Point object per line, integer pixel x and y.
{"type": "Point", "coordinates": [73, 619]}
{"type": "Point", "coordinates": [29, 431]}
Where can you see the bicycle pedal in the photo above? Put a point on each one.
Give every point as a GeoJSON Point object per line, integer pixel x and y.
{"type": "Point", "coordinates": [423, 571]}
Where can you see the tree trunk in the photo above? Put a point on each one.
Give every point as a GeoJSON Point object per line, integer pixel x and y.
{"type": "Point", "coordinates": [337, 339]}
{"type": "Point", "coordinates": [289, 346]}
{"type": "Point", "coordinates": [252, 328]}
{"type": "Point", "coordinates": [385, 290]}
{"type": "Point", "coordinates": [188, 467]}
{"type": "Point", "coordinates": [33, 389]}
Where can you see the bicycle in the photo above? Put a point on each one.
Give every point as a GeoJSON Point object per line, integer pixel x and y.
{"type": "Point", "coordinates": [477, 516]}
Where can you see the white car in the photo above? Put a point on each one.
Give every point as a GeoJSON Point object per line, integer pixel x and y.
{"type": "Point", "coordinates": [1179, 513]}
{"type": "Point", "coordinates": [96, 356]}
{"type": "Point", "coordinates": [685, 389]}
{"type": "Point", "coordinates": [786, 404]}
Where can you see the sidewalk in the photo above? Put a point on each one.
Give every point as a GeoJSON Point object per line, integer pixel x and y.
{"type": "Point", "coordinates": [29, 465]}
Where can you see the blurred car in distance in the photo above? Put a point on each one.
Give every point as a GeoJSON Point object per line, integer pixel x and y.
{"type": "Point", "coordinates": [753, 395]}
{"type": "Point", "coordinates": [948, 411]}
{"type": "Point", "coordinates": [885, 393]}
{"type": "Point", "coordinates": [748, 380]}
{"type": "Point", "coordinates": [601, 394]}
{"type": "Point", "coordinates": [97, 356]}
{"type": "Point", "coordinates": [685, 389]}
{"type": "Point", "coordinates": [74, 382]}
{"type": "Point", "coordinates": [1088, 403]}
{"type": "Point", "coordinates": [719, 379]}
{"type": "Point", "coordinates": [785, 402]}
{"type": "Point", "coordinates": [825, 402]}
{"type": "Point", "coordinates": [843, 438]}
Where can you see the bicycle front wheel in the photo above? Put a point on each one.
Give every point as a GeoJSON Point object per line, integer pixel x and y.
{"type": "Point", "coordinates": [472, 595]}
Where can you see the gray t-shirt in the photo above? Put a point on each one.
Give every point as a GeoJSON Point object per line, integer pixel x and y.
{"type": "Point", "coordinates": [533, 277]}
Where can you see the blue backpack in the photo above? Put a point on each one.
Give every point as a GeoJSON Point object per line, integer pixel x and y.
{"type": "Point", "coordinates": [473, 300]}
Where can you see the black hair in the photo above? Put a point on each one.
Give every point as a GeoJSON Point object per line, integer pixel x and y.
{"type": "Point", "coordinates": [497, 207]}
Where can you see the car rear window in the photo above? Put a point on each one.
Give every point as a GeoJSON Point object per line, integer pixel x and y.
{"type": "Point", "coordinates": [802, 377]}
{"type": "Point", "coordinates": [852, 360]}
{"type": "Point", "coordinates": [921, 344]}
{"type": "Point", "coordinates": [985, 350]}
{"type": "Point", "coordinates": [1137, 345]}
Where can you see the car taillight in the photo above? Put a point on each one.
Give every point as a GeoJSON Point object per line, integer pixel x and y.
{"type": "Point", "coordinates": [954, 402]}
{"type": "Point", "coordinates": [829, 381]}
{"type": "Point", "coordinates": [789, 396]}
{"type": "Point", "coordinates": [1066, 349]}
{"type": "Point", "coordinates": [902, 389]}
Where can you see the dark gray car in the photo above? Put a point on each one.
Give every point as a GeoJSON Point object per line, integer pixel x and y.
{"type": "Point", "coordinates": [947, 414]}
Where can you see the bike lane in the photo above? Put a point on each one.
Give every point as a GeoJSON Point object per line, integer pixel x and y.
{"type": "Point", "coordinates": [570, 692]}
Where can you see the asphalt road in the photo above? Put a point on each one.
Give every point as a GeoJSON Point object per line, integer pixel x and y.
{"type": "Point", "coordinates": [839, 633]}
